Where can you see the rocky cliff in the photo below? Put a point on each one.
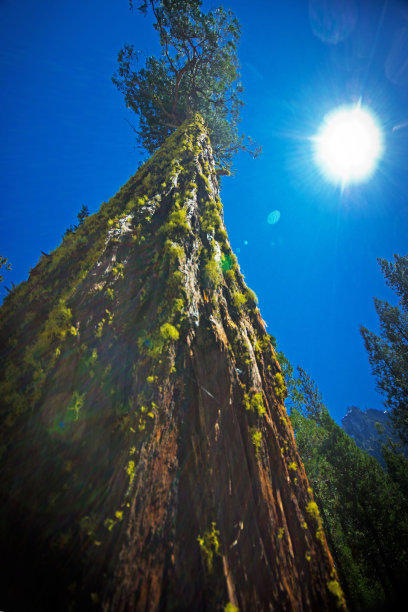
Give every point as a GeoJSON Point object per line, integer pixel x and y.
{"type": "Point", "coordinates": [369, 429]}
{"type": "Point", "coordinates": [147, 459]}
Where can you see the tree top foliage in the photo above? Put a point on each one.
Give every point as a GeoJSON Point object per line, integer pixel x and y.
{"type": "Point", "coordinates": [197, 71]}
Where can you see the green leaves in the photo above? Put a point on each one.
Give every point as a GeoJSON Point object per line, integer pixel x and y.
{"type": "Point", "coordinates": [198, 71]}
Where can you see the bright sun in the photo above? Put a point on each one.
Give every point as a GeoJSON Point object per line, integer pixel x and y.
{"type": "Point", "coordinates": [348, 145]}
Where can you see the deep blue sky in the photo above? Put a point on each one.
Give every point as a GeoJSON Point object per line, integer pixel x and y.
{"type": "Point", "coordinates": [65, 143]}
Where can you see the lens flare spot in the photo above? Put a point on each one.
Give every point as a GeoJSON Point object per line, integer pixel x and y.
{"type": "Point", "coordinates": [274, 217]}
{"type": "Point", "coordinates": [332, 20]}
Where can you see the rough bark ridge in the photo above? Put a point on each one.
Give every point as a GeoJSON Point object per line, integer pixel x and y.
{"type": "Point", "coordinates": [147, 459]}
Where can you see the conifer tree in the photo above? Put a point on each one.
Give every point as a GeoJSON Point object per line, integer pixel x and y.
{"type": "Point", "coordinates": [388, 353]}
{"type": "Point", "coordinates": [81, 216]}
{"type": "Point", "coordinates": [139, 380]}
{"type": "Point", "coordinates": [147, 459]}
{"type": "Point", "coordinates": [4, 263]}
{"type": "Point", "coordinates": [198, 71]}
{"type": "Point", "coordinates": [363, 509]}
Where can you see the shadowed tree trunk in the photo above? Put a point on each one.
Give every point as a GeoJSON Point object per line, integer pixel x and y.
{"type": "Point", "coordinates": [147, 459]}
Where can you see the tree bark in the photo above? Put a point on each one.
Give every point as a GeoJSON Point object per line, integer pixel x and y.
{"type": "Point", "coordinates": [149, 463]}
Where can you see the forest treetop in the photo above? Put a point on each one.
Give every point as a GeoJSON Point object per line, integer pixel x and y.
{"type": "Point", "coordinates": [197, 71]}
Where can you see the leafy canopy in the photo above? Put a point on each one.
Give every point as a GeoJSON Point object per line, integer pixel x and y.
{"type": "Point", "coordinates": [197, 71]}
{"type": "Point", "coordinates": [388, 353]}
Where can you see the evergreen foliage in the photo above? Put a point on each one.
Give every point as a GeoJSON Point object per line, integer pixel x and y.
{"type": "Point", "coordinates": [388, 353]}
{"type": "Point", "coordinates": [198, 71]}
{"type": "Point", "coordinates": [397, 466]}
{"type": "Point", "coordinates": [4, 263]}
{"type": "Point", "coordinates": [362, 508]}
{"type": "Point", "coordinates": [81, 216]}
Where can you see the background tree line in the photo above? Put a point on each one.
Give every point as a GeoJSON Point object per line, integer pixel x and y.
{"type": "Point", "coordinates": [363, 506]}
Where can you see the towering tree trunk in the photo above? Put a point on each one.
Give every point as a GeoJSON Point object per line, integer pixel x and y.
{"type": "Point", "coordinates": [148, 461]}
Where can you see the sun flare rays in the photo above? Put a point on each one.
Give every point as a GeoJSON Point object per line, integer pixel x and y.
{"type": "Point", "coordinates": [348, 145]}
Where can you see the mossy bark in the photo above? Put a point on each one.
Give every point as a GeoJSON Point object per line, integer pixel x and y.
{"type": "Point", "coordinates": [147, 459]}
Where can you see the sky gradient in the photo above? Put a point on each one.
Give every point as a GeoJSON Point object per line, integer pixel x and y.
{"type": "Point", "coordinates": [66, 142]}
